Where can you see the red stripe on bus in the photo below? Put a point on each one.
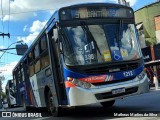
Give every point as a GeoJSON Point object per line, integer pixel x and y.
{"type": "Point", "coordinates": [94, 79]}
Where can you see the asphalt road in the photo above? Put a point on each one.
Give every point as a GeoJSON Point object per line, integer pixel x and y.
{"type": "Point", "coordinates": [138, 105]}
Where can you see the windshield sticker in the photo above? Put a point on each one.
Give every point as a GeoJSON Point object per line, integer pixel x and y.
{"type": "Point", "coordinates": [90, 53]}
{"type": "Point", "coordinates": [116, 55]}
{"type": "Point", "coordinates": [107, 56]}
{"type": "Point", "coordinates": [124, 52]}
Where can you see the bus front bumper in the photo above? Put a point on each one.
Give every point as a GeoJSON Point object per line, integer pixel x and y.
{"type": "Point", "coordinates": [79, 96]}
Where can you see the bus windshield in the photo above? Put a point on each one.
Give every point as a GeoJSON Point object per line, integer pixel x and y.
{"type": "Point", "coordinates": [92, 44]}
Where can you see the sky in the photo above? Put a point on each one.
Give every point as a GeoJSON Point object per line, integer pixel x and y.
{"type": "Point", "coordinates": [24, 19]}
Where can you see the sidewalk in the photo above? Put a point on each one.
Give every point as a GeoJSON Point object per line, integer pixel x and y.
{"type": "Point", "coordinates": [3, 109]}
{"type": "Point", "coordinates": [153, 89]}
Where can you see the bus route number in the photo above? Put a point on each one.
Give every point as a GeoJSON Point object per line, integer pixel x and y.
{"type": "Point", "coordinates": [128, 73]}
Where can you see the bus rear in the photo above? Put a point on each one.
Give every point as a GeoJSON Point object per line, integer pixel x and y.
{"type": "Point", "coordinates": [10, 93]}
{"type": "Point", "coordinates": [101, 54]}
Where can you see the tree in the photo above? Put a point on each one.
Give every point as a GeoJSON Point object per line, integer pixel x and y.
{"type": "Point", "coordinates": [3, 95]}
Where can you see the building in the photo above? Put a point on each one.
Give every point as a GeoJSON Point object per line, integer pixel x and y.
{"type": "Point", "coordinates": [148, 24]}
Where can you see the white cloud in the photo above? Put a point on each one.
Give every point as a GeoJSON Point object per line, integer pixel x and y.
{"type": "Point", "coordinates": [7, 69]}
{"type": "Point", "coordinates": [30, 38]}
{"type": "Point", "coordinates": [36, 27]}
{"type": "Point", "coordinates": [24, 9]}
{"type": "Point", "coordinates": [25, 28]}
{"type": "Point", "coordinates": [7, 72]}
{"type": "Point", "coordinates": [2, 47]}
{"type": "Point", "coordinates": [132, 2]}
{"type": "Point", "coordinates": [19, 9]}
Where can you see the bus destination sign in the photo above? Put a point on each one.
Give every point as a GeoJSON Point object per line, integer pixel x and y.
{"type": "Point", "coordinates": [96, 12]}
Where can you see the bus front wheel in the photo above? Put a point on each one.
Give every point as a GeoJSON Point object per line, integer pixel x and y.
{"type": "Point", "coordinates": [108, 103]}
{"type": "Point", "coordinates": [51, 106]}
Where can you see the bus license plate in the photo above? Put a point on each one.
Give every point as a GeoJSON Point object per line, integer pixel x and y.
{"type": "Point", "coordinates": [117, 91]}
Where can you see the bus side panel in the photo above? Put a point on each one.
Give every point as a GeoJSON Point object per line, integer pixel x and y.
{"type": "Point", "coordinates": [35, 88]}
{"type": "Point", "coordinates": [23, 93]}
{"type": "Point", "coordinates": [28, 87]}
{"type": "Point", "coordinates": [42, 81]}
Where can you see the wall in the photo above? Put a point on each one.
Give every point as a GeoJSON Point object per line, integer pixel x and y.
{"type": "Point", "coordinates": [146, 16]}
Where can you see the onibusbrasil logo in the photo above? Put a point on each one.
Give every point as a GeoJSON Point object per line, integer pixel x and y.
{"type": "Point", "coordinates": [18, 114]}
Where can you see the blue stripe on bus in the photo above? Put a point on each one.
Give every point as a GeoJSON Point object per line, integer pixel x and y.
{"type": "Point", "coordinates": [117, 75]}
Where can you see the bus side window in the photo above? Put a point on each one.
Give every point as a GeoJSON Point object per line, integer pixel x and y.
{"type": "Point", "coordinates": [44, 52]}
{"type": "Point", "coordinates": [37, 66]}
{"type": "Point", "coordinates": [7, 91]}
{"type": "Point", "coordinates": [31, 70]}
{"type": "Point", "coordinates": [30, 57]}
{"type": "Point", "coordinates": [36, 51]}
{"type": "Point", "coordinates": [43, 44]}
{"type": "Point", "coordinates": [31, 65]}
{"type": "Point", "coordinates": [45, 60]}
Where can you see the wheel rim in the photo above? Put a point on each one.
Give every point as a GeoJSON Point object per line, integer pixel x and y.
{"type": "Point", "coordinates": [51, 105]}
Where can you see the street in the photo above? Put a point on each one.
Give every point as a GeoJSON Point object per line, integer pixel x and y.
{"type": "Point", "coordinates": [147, 103]}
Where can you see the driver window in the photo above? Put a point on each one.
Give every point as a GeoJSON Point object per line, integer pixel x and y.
{"type": "Point", "coordinates": [100, 37]}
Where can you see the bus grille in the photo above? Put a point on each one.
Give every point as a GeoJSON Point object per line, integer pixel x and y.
{"type": "Point", "coordinates": [114, 81]}
{"type": "Point", "coordinates": [108, 95]}
{"type": "Point", "coordinates": [105, 69]}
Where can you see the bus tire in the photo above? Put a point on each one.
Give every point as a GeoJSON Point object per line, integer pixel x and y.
{"type": "Point", "coordinates": [54, 111]}
{"type": "Point", "coordinates": [108, 103]}
{"type": "Point", "coordinates": [9, 105]}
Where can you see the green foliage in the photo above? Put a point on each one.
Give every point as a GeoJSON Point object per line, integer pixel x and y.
{"type": "Point", "coordinates": [3, 95]}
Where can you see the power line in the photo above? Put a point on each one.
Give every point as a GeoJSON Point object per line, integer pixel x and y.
{"type": "Point", "coordinates": [9, 16]}
{"type": "Point", "coordinates": [8, 24]}
{"type": "Point", "coordinates": [29, 11]}
{"type": "Point", "coordinates": [23, 35]}
{"type": "Point", "coordinates": [2, 16]}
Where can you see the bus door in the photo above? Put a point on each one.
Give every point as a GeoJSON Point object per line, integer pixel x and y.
{"type": "Point", "coordinates": [27, 83]}
{"type": "Point", "coordinates": [57, 67]}
{"type": "Point", "coordinates": [18, 95]}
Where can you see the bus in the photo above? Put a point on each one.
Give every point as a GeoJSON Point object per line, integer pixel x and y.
{"type": "Point", "coordinates": [86, 53]}
{"type": "Point", "coordinates": [10, 94]}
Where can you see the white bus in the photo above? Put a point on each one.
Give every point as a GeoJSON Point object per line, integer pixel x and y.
{"type": "Point", "coordinates": [10, 94]}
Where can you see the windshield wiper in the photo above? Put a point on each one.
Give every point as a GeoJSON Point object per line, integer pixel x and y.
{"type": "Point", "coordinates": [120, 33]}
{"type": "Point", "coordinates": [89, 34]}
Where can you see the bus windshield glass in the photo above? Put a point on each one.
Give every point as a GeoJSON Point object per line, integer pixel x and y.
{"type": "Point", "coordinates": [92, 44]}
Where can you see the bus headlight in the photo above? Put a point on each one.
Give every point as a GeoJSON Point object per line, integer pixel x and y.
{"type": "Point", "coordinates": [141, 75]}
{"type": "Point", "coordinates": [81, 83]}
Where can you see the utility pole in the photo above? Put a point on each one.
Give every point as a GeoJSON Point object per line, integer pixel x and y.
{"type": "Point", "coordinates": [1, 78]}
{"type": "Point", "coordinates": [0, 94]}
{"type": "Point", "coordinates": [3, 34]}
